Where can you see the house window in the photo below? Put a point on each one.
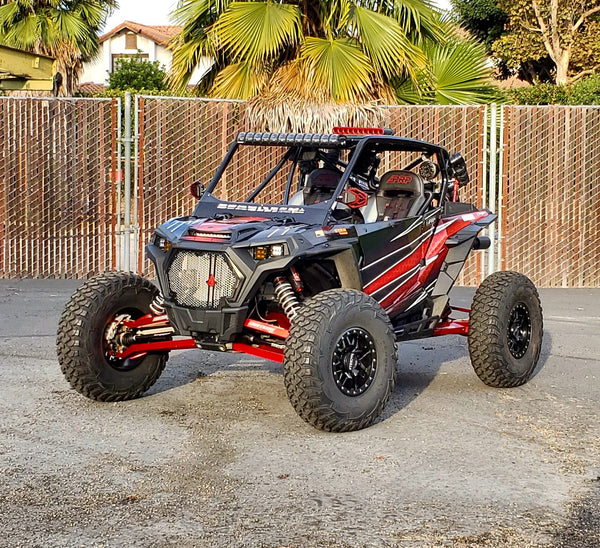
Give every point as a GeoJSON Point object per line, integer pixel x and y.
{"type": "Point", "coordinates": [116, 56]}
{"type": "Point", "coordinates": [130, 41]}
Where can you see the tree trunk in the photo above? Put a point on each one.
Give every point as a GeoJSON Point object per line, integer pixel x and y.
{"type": "Point", "coordinates": [562, 68]}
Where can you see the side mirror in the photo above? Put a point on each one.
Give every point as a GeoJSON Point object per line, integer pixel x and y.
{"type": "Point", "coordinates": [458, 168]}
{"type": "Point", "coordinates": [197, 189]}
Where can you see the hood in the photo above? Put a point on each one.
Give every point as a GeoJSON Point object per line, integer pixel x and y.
{"type": "Point", "coordinates": [226, 230]}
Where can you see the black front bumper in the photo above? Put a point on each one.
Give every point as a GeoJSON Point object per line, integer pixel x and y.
{"type": "Point", "coordinates": [218, 326]}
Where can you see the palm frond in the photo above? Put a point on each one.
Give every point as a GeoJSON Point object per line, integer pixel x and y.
{"type": "Point", "coordinates": [386, 43]}
{"type": "Point", "coordinates": [23, 33]}
{"type": "Point", "coordinates": [239, 81]}
{"type": "Point", "coordinates": [299, 115]}
{"type": "Point", "coordinates": [255, 31]}
{"type": "Point", "coordinates": [408, 94]}
{"type": "Point", "coordinates": [70, 26]}
{"type": "Point", "coordinates": [461, 73]}
{"type": "Point", "coordinates": [202, 11]}
{"type": "Point", "coordinates": [187, 55]}
{"type": "Point", "coordinates": [8, 13]}
{"type": "Point", "coordinates": [419, 19]}
{"type": "Point", "coordinates": [339, 68]}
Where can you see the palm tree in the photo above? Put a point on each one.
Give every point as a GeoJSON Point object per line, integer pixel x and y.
{"type": "Point", "coordinates": [458, 73]}
{"type": "Point", "coordinates": [338, 50]}
{"type": "Point", "coordinates": [67, 30]}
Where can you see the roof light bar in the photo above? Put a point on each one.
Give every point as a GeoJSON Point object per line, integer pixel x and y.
{"type": "Point", "coordinates": [344, 130]}
{"type": "Point", "coordinates": [291, 139]}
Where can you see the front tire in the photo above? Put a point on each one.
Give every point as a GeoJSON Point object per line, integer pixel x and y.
{"type": "Point", "coordinates": [505, 330]}
{"type": "Point", "coordinates": [340, 361]}
{"type": "Point", "coordinates": [86, 329]}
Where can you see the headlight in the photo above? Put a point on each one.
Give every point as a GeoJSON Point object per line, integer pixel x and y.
{"type": "Point", "coordinates": [268, 251]}
{"type": "Point", "coordinates": [162, 243]}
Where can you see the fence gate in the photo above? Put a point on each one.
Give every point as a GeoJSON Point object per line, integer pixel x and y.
{"type": "Point", "coordinates": [57, 164]}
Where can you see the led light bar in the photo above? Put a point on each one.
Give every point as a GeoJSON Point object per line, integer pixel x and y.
{"type": "Point", "coordinates": [344, 130]}
{"type": "Point", "coordinates": [291, 139]}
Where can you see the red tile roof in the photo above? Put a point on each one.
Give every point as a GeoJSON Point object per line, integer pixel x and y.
{"type": "Point", "coordinates": [91, 88]}
{"type": "Point", "coordinates": [161, 34]}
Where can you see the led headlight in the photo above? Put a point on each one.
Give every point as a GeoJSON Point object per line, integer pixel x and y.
{"type": "Point", "coordinates": [269, 251]}
{"type": "Point", "coordinates": [162, 243]}
{"type": "Point", "coordinates": [277, 250]}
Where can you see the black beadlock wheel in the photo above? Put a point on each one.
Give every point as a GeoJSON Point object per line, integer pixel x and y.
{"type": "Point", "coordinates": [89, 328]}
{"type": "Point", "coordinates": [340, 360]}
{"type": "Point", "coordinates": [505, 330]}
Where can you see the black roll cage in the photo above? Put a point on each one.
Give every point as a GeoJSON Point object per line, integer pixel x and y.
{"type": "Point", "coordinates": [209, 205]}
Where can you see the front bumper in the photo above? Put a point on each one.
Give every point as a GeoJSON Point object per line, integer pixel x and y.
{"type": "Point", "coordinates": [207, 326]}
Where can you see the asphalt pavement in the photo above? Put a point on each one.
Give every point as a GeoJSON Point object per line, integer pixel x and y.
{"type": "Point", "coordinates": [214, 454]}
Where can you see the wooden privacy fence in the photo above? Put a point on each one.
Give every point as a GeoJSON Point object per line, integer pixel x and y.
{"type": "Point", "coordinates": [550, 194]}
{"type": "Point", "coordinates": [62, 212]}
{"type": "Point", "coordinates": [56, 210]}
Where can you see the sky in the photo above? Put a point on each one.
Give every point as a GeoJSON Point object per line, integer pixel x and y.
{"type": "Point", "coordinates": [156, 12]}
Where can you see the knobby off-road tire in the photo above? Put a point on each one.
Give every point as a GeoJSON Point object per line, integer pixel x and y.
{"type": "Point", "coordinates": [81, 338]}
{"type": "Point", "coordinates": [505, 330]}
{"type": "Point", "coordinates": [340, 360]}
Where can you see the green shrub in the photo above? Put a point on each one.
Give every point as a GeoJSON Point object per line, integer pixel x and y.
{"type": "Point", "coordinates": [136, 73]}
{"type": "Point", "coordinates": [584, 92]}
{"type": "Point", "coordinates": [540, 94]}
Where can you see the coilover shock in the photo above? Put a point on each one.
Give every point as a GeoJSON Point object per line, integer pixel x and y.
{"type": "Point", "coordinates": [286, 297]}
{"type": "Point", "coordinates": [157, 306]}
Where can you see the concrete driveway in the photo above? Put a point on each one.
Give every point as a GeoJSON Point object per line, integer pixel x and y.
{"type": "Point", "coordinates": [214, 454]}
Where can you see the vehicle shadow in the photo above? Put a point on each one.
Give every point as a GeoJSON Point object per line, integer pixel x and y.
{"type": "Point", "coordinates": [419, 363]}
{"type": "Point", "coordinates": [185, 367]}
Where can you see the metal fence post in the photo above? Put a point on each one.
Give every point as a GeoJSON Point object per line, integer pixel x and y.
{"type": "Point", "coordinates": [136, 157]}
{"type": "Point", "coordinates": [492, 186]}
{"type": "Point", "coordinates": [484, 181]}
{"type": "Point", "coordinates": [119, 209]}
{"type": "Point", "coordinates": [500, 194]}
{"type": "Point", "coordinates": [127, 140]}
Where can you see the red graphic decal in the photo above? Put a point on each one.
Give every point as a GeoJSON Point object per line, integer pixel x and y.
{"type": "Point", "coordinates": [270, 329]}
{"type": "Point", "coordinates": [400, 179]}
{"type": "Point", "coordinates": [262, 351]}
{"type": "Point", "coordinates": [223, 224]}
{"type": "Point", "coordinates": [360, 198]}
{"type": "Point", "coordinates": [211, 282]}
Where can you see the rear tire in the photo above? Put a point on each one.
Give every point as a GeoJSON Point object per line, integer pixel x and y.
{"type": "Point", "coordinates": [340, 360]}
{"type": "Point", "coordinates": [82, 338]}
{"type": "Point", "coordinates": [505, 330]}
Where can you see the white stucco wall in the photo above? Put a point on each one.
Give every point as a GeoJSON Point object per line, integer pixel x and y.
{"type": "Point", "coordinates": [97, 70]}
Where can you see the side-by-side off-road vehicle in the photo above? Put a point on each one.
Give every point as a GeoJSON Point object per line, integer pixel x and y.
{"type": "Point", "coordinates": [344, 245]}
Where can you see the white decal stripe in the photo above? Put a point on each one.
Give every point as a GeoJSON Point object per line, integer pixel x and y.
{"type": "Point", "coordinates": [427, 292]}
{"type": "Point", "coordinates": [431, 259]}
{"type": "Point", "coordinates": [423, 296]}
{"type": "Point", "coordinates": [419, 241]}
{"type": "Point", "coordinates": [399, 262]}
{"type": "Point", "coordinates": [444, 226]}
{"type": "Point", "coordinates": [398, 280]}
{"type": "Point", "coordinates": [412, 274]}
{"type": "Point", "coordinates": [409, 229]}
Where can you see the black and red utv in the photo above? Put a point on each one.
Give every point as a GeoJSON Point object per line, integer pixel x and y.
{"type": "Point", "coordinates": [349, 244]}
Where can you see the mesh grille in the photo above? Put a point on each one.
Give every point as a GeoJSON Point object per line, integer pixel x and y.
{"type": "Point", "coordinates": [199, 280]}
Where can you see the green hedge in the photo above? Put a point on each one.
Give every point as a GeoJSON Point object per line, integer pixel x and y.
{"type": "Point", "coordinates": [584, 92]}
{"type": "Point", "coordinates": [158, 92]}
